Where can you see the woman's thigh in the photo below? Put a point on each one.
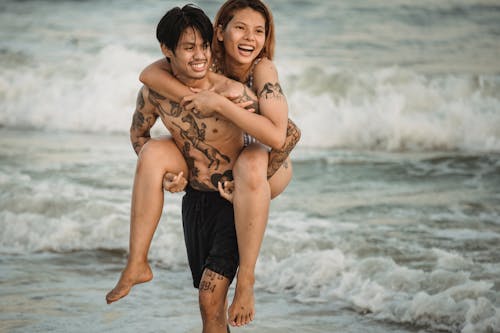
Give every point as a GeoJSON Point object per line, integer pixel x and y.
{"type": "Point", "coordinates": [280, 180]}
{"type": "Point", "coordinates": [163, 153]}
{"type": "Point", "coordinates": [252, 163]}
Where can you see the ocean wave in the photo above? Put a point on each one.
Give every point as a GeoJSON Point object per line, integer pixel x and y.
{"type": "Point", "coordinates": [445, 298]}
{"type": "Point", "coordinates": [392, 109]}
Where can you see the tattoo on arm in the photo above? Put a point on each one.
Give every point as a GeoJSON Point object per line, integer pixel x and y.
{"type": "Point", "coordinates": [155, 99]}
{"type": "Point", "coordinates": [142, 121]}
{"type": "Point", "coordinates": [271, 90]}
{"type": "Point", "coordinates": [277, 157]}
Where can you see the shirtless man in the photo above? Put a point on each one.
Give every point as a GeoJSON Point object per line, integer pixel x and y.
{"type": "Point", "coordinates": [209, 144]}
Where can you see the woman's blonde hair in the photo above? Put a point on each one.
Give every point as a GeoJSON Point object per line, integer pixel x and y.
{"type": "Point", "coordinates": [226, 14]}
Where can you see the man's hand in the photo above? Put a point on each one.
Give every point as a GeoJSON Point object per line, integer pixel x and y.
{"type": "Point", "coordinates": [174, 183]}
{"type": "Point", "coordinates": [226, 190]}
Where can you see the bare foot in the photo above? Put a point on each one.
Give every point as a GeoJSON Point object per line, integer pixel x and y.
{"type": "Point", "coordinates": [130, 276]}
{"type": "Point", "coordinates": [242, 310]}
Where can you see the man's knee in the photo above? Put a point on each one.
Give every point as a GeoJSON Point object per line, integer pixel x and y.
{"type": "Point", "coordinates": [211, 307]}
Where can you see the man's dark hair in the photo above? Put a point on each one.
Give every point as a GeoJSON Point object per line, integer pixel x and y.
{"type": "Point", "coordinates": [176, 20]}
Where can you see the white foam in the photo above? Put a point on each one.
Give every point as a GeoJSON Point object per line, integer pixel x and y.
{"type": "Point", "coordinates": [395, 109]}
{"type": "Point", "coordinates": [79, 94]}
{"type": "Point", "coordinates": [442, 299]}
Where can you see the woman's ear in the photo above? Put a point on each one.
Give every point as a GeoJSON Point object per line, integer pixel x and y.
{"type": "Point", "coordinates": [219, 33]}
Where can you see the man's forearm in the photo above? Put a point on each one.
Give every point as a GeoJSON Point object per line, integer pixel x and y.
{"type": "Point", "coordinates": [142, 121]}
{"type": "Point", "coordinates": [277, 157]}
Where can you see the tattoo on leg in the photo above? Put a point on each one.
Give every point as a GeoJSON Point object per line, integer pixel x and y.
{"type": "Point", "coordinates": [207, 286]}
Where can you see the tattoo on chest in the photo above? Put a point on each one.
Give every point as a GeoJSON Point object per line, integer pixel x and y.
{"type": "Point", "coordinates": [155, 99]}
{"type": "Point", "coordinates": [196, 136]}
{"type": "Point", "coordinates": [217, 177]}
{"type": "Point", "coordinates": [246, 97]}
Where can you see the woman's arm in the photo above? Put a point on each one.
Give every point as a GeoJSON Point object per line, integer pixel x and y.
{"type": "Point", "coordinates": [158, 77]}
{"type": "Point", "coordinates": [270, 126]}
{"type": "Point", "coordinates": [278, 156]}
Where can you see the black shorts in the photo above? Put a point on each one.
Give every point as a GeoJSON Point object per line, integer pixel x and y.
{"type": "Point", "coordinates": [209, 233]}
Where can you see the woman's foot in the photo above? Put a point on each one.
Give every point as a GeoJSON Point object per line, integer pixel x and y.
{"type": "Point", "coordinates": [242, 310]}
{"type": "Point", "coordinates": [131, 275]}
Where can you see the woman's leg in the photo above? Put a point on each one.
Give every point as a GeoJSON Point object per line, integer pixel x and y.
{"type": "Point", "coordinates": [251, 200]}
{"type": "Point", "coordinates": [157, 157]}
{"type": "Point", "coordinates": [280, 180]}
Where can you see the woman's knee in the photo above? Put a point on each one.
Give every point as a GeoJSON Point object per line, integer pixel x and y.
{"type": "Point", "coordinates": [162, 154]}
{"type": "Point", "coordinates": [251, 166]}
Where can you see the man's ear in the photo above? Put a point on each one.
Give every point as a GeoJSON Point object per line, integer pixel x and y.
{"type": "Point", "coordinates": [166, 51]}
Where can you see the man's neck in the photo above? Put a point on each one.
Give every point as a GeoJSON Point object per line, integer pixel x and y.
{"type": "Point", "coordinates": [203, 83]}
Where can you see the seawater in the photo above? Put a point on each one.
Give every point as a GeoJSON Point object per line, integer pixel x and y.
{"type": "Point", "coordinates": [392, 221]}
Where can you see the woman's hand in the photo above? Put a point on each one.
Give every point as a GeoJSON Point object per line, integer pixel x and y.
{"type": "Point", "coordinates": [206, 102]}
{"type": "Point", "coordinates": [203, 103]}
{"type": "Point", "coordinates": [174, 183]}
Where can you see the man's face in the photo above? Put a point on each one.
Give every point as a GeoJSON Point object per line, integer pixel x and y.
{"type": "Point", "coordinates": [192, 57]}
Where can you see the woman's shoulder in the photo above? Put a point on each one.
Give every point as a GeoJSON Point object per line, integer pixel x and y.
{"type": "Point", "coordinates": [265, 66]}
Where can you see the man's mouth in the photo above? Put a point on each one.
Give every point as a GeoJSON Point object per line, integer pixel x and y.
{"type": "Point", "coordinates": [199, 66]}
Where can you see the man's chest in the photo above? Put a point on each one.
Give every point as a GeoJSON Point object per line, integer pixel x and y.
{"type": "Point", "coordinates": [190, 125]}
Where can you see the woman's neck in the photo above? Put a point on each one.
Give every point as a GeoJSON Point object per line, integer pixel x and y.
{"type": "Point", "coordinates": [237, 71]}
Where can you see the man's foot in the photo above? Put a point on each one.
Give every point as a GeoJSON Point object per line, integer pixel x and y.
{"type": "Point", "coordinates": [242, 310]}
{"type": "Point", "coordinates": [130, 277]}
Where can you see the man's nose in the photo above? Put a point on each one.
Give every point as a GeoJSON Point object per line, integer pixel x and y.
{"type": "Point", "coordinates": [200, 53]}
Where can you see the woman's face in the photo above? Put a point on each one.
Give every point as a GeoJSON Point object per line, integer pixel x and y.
{"type": "Point", "coordinates": [244, 36]}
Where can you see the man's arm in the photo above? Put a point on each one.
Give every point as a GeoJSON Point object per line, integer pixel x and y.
{"type": "Point", "coordinates": [143, 119]}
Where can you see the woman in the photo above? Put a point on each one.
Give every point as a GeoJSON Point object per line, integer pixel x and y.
{"type": "Point", "coordinates": [243, 49]}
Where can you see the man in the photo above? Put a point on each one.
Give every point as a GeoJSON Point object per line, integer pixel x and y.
{"type": "Point", "coordinates": [209, 144]}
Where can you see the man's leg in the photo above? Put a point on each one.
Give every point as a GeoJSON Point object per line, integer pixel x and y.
{"type": "Point", "coordinates": [212, 293]}
{"type": "Point", "coordinates": [157, 157]}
